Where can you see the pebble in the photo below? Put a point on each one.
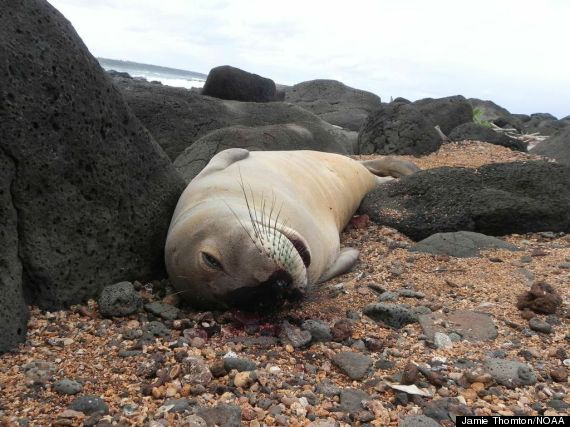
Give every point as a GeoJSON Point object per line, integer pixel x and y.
{"type": "Point", "coordinates": [160, 309]}
{"type": "Point", "coordinates": [392, 315]}
{"type": "Point", "coordinates": [89, 405]}
{"type": "Point", "coordinates": [243, 379]}
{"type": "Point", "coordinates": [319, 330]}
{"type": "Point", "coordinates": [510, 373]}
{"type": "Point", "coordinates": [342, 329]}
{"type": "Point", "coordinates": [239, 364]}
{"type": "Point", "coordinates": [351, 400]}
{"type": "Point", "coordinates": [418, 421]}
{"type": "Point", "coordinates": [442, 340]}
{"type": "Point", "coordinates": [221, 414]}
{"type": "Point", "coordinates": [559, 374]}
{"type": "Point", "coordinates": [120, 299]}
{"type": "Point", "coordinates": [294, 336]}
{"type": "Point", "coordinates": [67, 386]}
{"type": "Point", "coordinates": [538, 325]}
{"type": "Point", "coordinates": [354, 365]}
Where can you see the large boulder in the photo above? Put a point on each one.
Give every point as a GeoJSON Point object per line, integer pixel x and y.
{"type": "Point", "coordinates": [496, 199]}
{"type": "Point", "coordinates": [292, 136]}
{"type": "Point", "coordinates": [397, 128]}
{"type": "Point", "coordinates": [556, 147]}
{"type": "Point", "coordinates": [488, 111]}
{"type": "Point", "coordinates": [87, 193]}
{"type": "Point", "coordinates": [544, 124]}
{"type": "Point", "coordinates": [447, 113]}
{"type": "Point", "coordinates": [177, 117]}
{"type": "Point", "coordinates": [226, 82]}
{"type": "Point", "coordinates": [477, 132]}
{"type": "Point", "coordinates": [334, 102]}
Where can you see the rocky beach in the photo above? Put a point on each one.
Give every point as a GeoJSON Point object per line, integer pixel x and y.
{"type": "Point", "coordinates": [458, 304]}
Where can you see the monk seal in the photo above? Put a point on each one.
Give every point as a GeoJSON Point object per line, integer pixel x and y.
{"type": "Point", "coordinates": [254, 229]}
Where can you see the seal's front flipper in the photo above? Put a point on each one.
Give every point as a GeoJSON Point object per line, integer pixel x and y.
{"type": "Point", "coordinates": [222, 160]}
{"type": "Point", "coordinates": [390, 166]}
{"type": "Point", "coordinates": [345, 261]}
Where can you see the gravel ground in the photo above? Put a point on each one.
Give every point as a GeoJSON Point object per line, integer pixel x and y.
{"type": "Point", "coordinates": [343, 368]}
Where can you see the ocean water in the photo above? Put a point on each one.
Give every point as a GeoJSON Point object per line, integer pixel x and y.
{"type": "Point", "coordinates": [167, 76]}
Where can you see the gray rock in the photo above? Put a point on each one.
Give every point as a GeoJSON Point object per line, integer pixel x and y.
{"type": "Point", "coordinates": [278, 137]}
{"type": "Point", "coordinates": [221, 415]}
{"type": "Point", "coordinates": [470, 325]}
{"type": "Point", "coordinates": [418, 421]}
{"type": "Point", "coordinates": [354, 365]}
{"type": "Point", "coordinates": [538, 325]}
{"type": "Point", "coordinates": [327, 388]}
{"type": "Point", "coordinates": [156, 329]}
{"type": "Point", "coordinates": [392, 315]}
{"type": "Point", "coordinates": [226, 82]}
{"type": "Point", "coordinates": [120, 299]}
{"type": "Point", "coordinates": [178, 405]}
{"type": "Point", "coordinates": [93, 193]}
{"type": "Point", "coordinates": [556, 147]}
{"type": "Point", "coordinates": [445, 409]}
{"type": "Point", "coordinates": [193, 421]}
{"type": "Point", "coordinates": [447, 113]}
{"type": "Point", "coordinates": [196, 371]}
{"type": "Point", "coordinates": [485, 200]}
{"type": "Point", "coordinates": [177, 118]}
{"type": "Point", "coordinates": [351, 400]}
{"type": "Point", "coordinates": [461, 244]}
{"type": "Point", "coordinates": [409, 293]}
{"type": "Point", "coordinates": [319, 330]}
{"type": "Point", "coordinates": [334, 102]}
{"type": "Point", "coordinates": [89, 405]}
{"type": "Point", "coordinates": [293, 335]}
{"type": "Point", "coordinates": [510, 373]}
{"type": "Point", "coordinates": [442, 340]}
{"type": "Point", "coordinates": [397, 128]}
{"type": "Point", "coordinates": [474, 131]}
{"type": "Point", "coordinates": [388, 296]}
{"type": "Point", "coordinates": [39, 371]}
{"type": "Point", "coordinates": [239, 364]}
{"type": "Point", "coordinates": [166, 311]}
{"type": "Point", "coordinates": [67, 386]}
{"type": "Point", "coordinates": [544, 124]}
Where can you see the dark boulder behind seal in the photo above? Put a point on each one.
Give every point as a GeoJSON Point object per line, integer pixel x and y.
{"type": "Point", "coordinates": [87, 193]}
{"type": "Point", "coordinates": [496, 199]}
{"type": "Point", "coordinates": [334, 102]}
{"type": "Point", "coordinates": [291, 136]}
{"type": "Point", "coordinates": [397, 128]}
{"type": "Point", "coordinates": [556, 147]}
{"type": "Point", "coordinates": [447, 113]}
{"type": "Point", "coordinates": [477, 132]}
{"type": "Point", "coordinates": [227, 82]}
{"type": "Point", "coordinates": [177, 117]}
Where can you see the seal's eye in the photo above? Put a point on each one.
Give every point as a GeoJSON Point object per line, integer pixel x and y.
{"type": "Point", "coordinates": [211, 262]}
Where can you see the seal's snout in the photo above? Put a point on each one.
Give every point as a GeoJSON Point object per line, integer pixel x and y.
{"type": "Point", "coordinates": [268, 295]}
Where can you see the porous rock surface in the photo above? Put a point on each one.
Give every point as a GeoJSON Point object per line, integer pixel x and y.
{"type": "Point", "coordinates": [87, 193]}
{"type": "Point", "coordinates": [227, 82]}
{"type": "Point", "coordinates": [290, 136]}
{"type": "Point", "coordinates": [334, 101]}
{"type": "Point", "coordinates": [485, 200]}
{"type": "Point", "coordinates": [177, 117]}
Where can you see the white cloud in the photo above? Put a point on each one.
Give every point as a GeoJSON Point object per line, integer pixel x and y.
{"type": "Point", "coordinates": [513, 52]}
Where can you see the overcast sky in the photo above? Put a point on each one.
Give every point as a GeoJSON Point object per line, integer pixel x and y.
{"type": "Point", "coordinates": [512, 52]}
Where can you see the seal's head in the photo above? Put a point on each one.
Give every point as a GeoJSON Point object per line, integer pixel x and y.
{"type": "Point", "coordinates": [236, 260]}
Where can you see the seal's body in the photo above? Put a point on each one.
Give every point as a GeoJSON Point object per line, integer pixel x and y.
{"type": "Point", "coordinates": [254, 228]}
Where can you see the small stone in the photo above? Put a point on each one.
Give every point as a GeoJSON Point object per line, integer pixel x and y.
{"type": "Point", "coordinates": [221, 415]}
{"type": "Point", "coordinates": [539, 325]}
{"type": "Point", "coordinates": [89, 405]}
{"type": "Point", "coordinates": [178, 405]}
{"type": "Point", "coordinates": [193, 421]}
{"type": "Point", "coordinates": [351, 400]}
{"type": "Point", "coordinates": [510, 373]}
{"type": "Point", "coordinates": [354, 365]}
{"type": "Point", "coordinates": [319, 330]}
{"type": "Point", "coordinates": [294, 336]}
{"type": "Point", "coordinates": [120, 299]}
{"type": "Point", "coordinates": [388, 296]}
{"type": "Point", "coordinates": [392, 315]}
{"type": "Point", "coordinates": [327, 388]}
{"type": "Point", "coordinates": [542, 298]}
{"type": "Point", "coordinates": [68, 387]}
{"type": "Point", "coordinates": [243, 379]}
{"type": "Point", "coordinates": [195, 371]}
{"type": "Point", "coordinates": [342, 330]}
{"type": "Point", "coordinates": [239, 364]}
{"type": "Point", "coordinates": [410, 374]}
{"type": "Point", "coordinates": [166, 311]}
{"type": "Point", "coordinates": [558, 404]}
{"type": "Point", "coordinates": [408, 293]}
{"type": "Point", "coordinates": [559, 374]}
{"type": "Point", "coordinates": [442, 340]}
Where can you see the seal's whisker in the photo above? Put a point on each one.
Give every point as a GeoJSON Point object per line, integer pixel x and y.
{"type": "Point", "coordinates": [255, 230]}
{"type": "Point", "coordinates": [240, 222]}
